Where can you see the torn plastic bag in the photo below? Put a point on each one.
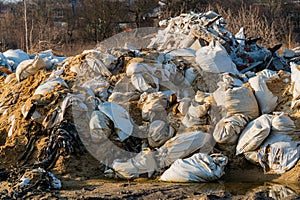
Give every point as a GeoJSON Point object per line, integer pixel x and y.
{"type": "Point", "coordinates": [214, 58]}
{"type": "Point", "coordinates": [159, 133]}
{"type": "Point", "coordinates": [120, 118]}
{"type": "Point", "coordinates": [15, 57]}
{"type": "Point", "coordinates": [295, 85]}
{"type": "Point", "coordinates": [266, 100]}
{"type": "Point", "coordinates": [278, 153]}
{"type": "Point", "coordinates": [183, 145]}
{"type": "Point", "coordinates": [39, 177]}
{"type": "Point", "coordinates": [29, 67]}
{"type": "Point", "coordinates": [228, 129]}
{"type": "Point", "coordinates": [99, 125]}
{"type": "Point", "coordinates": [198, 168]}
{"type": "Point", "coordinates": [75, 102]}
{"type": "Point", "coordinates": [56, 116]}
{"type": "Point", "coordinates": [142, 163]}
{"type": "Point", "coordinates": [154, 106]}
{"type": "Point", "coordinates": [254, 134]}
{"type": "Point", "coordinates": [241, 100]}
{"type": "Point", "coordinates": [145, 82]}
{"type": "Point", "coordinates": [49, 85]}
{"type": "Point", "coordinates": [267, 73]}
{"type": "Point", "coordinates": [138, 67]}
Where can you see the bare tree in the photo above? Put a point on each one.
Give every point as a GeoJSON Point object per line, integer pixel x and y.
{"type": "Point", "coordinates": [25, 25]}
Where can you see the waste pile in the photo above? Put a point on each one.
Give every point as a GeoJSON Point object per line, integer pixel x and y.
{"type": "Point", "coordinates": [180, 110]}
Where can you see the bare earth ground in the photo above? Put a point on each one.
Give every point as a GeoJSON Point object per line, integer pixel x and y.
{"type": "Point", "coordinates": [239, 183]}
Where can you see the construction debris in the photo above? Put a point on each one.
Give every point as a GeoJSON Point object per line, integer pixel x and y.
{"type": "Point", "coordinates": [196, 90]}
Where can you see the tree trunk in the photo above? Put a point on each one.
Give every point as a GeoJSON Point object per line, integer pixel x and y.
{"type": "Point", "coordinates": [25, 23]}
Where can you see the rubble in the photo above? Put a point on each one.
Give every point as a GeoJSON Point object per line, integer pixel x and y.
{"type": "Point", "coordinates": [196, 90]}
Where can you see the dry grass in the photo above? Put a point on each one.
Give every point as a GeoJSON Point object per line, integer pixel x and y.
{"type": "Point", "coordinates": [255, 24]}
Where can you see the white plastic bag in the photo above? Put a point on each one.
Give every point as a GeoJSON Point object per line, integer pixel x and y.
{"type": "Point", "coordinates": [266, 100]}
{"type": "Point", "coordinates": [123, 97]}
{"type": "Point", "coordinates": [196, 113]}
{"type": "Point", "coordinates": [29, 67]}
{"type": "Point", "coordinates": [295, 82]}
{"type": "Point", "coordinates": [228, 129]}
{"type": "Point", "coordinates": [278, 153]}
{"type": "Point", "coordinates": [198, 168]}
{"type": "Point", "coordinates": [281, 122]}
{"type": "Point", "coordinates": [137, 68]}
{"type": "Point", "coordinates": [49, 85]}
{"type": "Point", "coordinates": [159, 133]}
{"type": "Point", "coordinates": [214, 58]}
{"type": "Point", "coordinates": [145, 82]}
{"type": "Point", "coordinates": [15, 57]}
{"type": "Point", "coordinates": [142, 163]}
{"type": "Point", "coordinates": [241, 100]}
{"type": "Point", "coordinates": [92, 62]}
{"type": "Point", "coordinates": [120, 117]}
{"type": "Point", "coordinates": [183, 145]}
{"type": "Point", "coordinates": [254, 134]}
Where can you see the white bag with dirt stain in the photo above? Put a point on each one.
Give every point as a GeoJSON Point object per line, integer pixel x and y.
{"type": "Point", "coordinates": [196, 113]}
{"type": "Point", "coordinates": [183, 145]}
{"type": "Point", "coordinates": [29, 67]}
{"type": "Point", "coordinates": [295, 83]}
{"type": "Point", "coordinates": [241, 100]}
{"type": "Point", "coordinates": [142, 163]}
{"type": "Point", "coordinates": [254, 134]}
{"type": "Point", "coordinates": [214, 58]}
{"type": "Point", "coordinates": [198, 168]}
{"type": "Point", "coordinates": [228, 129]}
{"type": "Point", "coordinates": [279, 153]}
{"type": "Point", "coordinates": [281, 150]}
{"type": "Point", "coordinates": [266, 100]}
{"type": "Point", "coordinates": [159, 133]}
{"type": "Point", "coordinates": [154, 106]}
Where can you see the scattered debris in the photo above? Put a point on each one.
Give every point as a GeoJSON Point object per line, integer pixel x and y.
{"type": "Point", "coordinates": [196, 90]}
